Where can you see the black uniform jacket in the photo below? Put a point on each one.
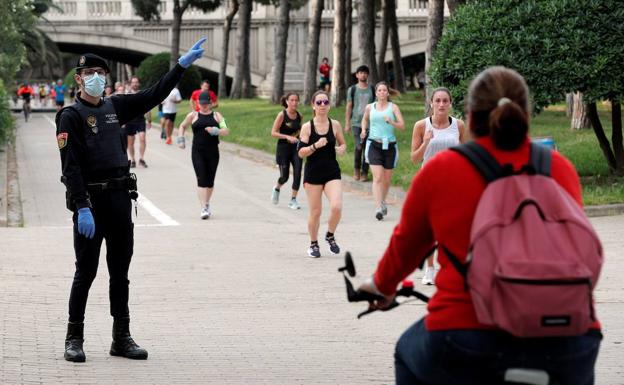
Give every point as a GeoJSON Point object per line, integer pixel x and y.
{"type": "Point", "coordinates": [72, 145]}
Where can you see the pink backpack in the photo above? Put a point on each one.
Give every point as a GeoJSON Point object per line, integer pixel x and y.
{"type": "Point", "coordinates": [534, 258]}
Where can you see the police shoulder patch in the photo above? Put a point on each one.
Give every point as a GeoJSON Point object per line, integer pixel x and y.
{"type": "Point", "coordinates": [61, 139]}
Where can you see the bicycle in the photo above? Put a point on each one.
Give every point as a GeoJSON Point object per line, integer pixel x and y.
{"type": "Point", "coordinates": [526, 376]}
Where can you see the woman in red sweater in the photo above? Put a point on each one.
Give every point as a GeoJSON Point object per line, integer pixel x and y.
{"type": "Point", "coordinates": [449, 345]}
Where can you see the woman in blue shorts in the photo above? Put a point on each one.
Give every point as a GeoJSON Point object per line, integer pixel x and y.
{"type": "Point", "coordinates": [381, 152]}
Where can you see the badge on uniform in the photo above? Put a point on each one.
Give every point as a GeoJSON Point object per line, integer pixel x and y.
{"type": "Point", "coordinates": [92, 123]}
{"type": "Point", "coordinates": [61, 139]}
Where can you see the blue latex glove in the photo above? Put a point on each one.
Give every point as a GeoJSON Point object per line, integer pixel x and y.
{"type": "Point", "coordinates": [86, 225]}
{"type": "Point", "coordinates": [193, 54]}
{"type": "Point", "coordinates": [214, 131]}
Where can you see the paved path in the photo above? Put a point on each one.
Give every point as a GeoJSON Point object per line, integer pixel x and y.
{"type": "Point", "coordinates": [228, 300]}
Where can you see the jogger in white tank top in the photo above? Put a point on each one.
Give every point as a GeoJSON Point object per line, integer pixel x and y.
{"type": "Point", "coordinates": [432, 135]}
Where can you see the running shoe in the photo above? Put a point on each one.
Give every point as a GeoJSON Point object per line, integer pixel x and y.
{"type": "Point", "coordinates": [275, 196]}
{"type": "Point", "coordinates": [163, 134]}
{"type": "Point", "coordinates": [294, 204]}
{"type": "Point", "coordinates": [132, 164]}
{"type": "Point", "coordinates": [379, 214]}
{"type": "Point", "coordinates": [205, 212]}
{"type": "Point", "coordinates": [168, 141]}
{"type": "Point", "coordinates": [384, 208]}
{"type": "Point", "coordinates": [333, 246]}
{"type": "Point", "coordinates": [142, 163]}
{"type": "Point", "coordinates": [427, 279]}
{"type": "Point", "coordinates": [314, 251]}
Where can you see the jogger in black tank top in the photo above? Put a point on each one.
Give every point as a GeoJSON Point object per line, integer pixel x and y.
{"type": "Point", "coordinates": [207, 126]}
{"type": "Point", "coordinates": [320, 140]}
{"type": "Point", "coordinates": [286, 128]}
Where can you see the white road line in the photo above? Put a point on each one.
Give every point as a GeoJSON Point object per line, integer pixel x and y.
{"type": "Point", "coordinates": [146, 204]}
{"type": "Point", "coordinates": [155, 212]}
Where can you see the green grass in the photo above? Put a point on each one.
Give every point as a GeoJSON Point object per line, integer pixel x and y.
{"type": "Point", "coordinates": [250, 124]}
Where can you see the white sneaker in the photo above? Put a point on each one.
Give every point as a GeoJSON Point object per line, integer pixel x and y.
{"type": "Point", "coordinates": [294, 204]}
{"type": "Point", "coordinates": [429, 276]}
{"type": "Point", "coordinates": [379, 214]}
{"type": "Point", "coordinates": [275, 196]}
{"type": "Point", "coordinates": [205, 213]}
{"type": "Point", "coordinates": [384, 208]}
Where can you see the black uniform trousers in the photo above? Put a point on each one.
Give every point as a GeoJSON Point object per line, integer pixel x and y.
{"type": "Point", "coordinates": [112, 212]}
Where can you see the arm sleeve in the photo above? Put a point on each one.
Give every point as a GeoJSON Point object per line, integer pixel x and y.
{"type": "Point", "coordinates": [411, 239]}
{"type": "Point", "coordinates": [129, 106]}
{"type": "Point", "coordinates": [72, 152]}
{"type": "Point", "coordinates": [349, 99]}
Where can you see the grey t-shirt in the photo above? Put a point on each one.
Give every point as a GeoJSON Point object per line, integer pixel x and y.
{"type": "Point", "coordinates": [362, 97]}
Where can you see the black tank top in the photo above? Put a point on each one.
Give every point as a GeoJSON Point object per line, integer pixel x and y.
{"type": "Point", "coordinates": [328, 151]}
{"type": "Point", "coordinates": [201, 137]}
{"type": "Point", "coordinates": [290, 126]}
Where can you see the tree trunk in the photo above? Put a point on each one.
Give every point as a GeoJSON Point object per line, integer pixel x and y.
{"type": "Point", "coordinates": [366, 34]}
{"type": "Point", "coordinates": [569, 104]}
{"type": "Point", "coordinates": [178, 11]}
{"type": "Point", "coordinates": [435, 23]}
{"type": "Point", "coordinates": [383, 44]}
{"type": "Point", "coordinates": [314, 35]}
{"type": "Point", "coordinates": [348, 39]}
{"type": "Point", "coordinates": [397, 62]}
{"type": "Point", "coordinates": [338, 72]}
{"type": "Point", "coordinates": [281, 37]}
{"type": "Point", "coordinates": [579, 113]}
{"type": "Point", "coordinates": [616, 136]}
{"type": "Point", "coordinates": [453, 4]}
{"type": "Point", "coordinates": [227, 27]}
{"type": "Point", "coordinates": [241, 87]}
{"type": "Point", "coordinates": [592, 113]}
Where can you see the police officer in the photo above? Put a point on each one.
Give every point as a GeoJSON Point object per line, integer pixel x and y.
{"type": "Point", "coordinates": [100, 188]}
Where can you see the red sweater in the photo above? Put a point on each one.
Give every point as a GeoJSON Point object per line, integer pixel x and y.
{"type": "Point", "coordinates": [440, 205]}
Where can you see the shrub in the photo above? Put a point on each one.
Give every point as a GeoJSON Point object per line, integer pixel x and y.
{"type": "Point", "coordinates": [6, 121]}
{"type": "Point", "coordinates": [155, 66]}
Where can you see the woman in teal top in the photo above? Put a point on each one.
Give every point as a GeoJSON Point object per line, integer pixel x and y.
{"type": "Point", "coordinates": [381, 152]}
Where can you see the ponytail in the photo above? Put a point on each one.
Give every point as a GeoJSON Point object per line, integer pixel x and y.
{"type": "Point", "coordinates": [508, 124]}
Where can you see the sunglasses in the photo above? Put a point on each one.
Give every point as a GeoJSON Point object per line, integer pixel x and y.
{"type": "Point", "coordinates": [324, 102]}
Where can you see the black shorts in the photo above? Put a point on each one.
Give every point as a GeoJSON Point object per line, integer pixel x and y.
{"type": "Point", "coordinates": [170, 116]}
{"type": "Point", "coordinates": [377, 156]}
{"type": "Point", "coordinates": [320, 174]}
{"type": "Point", "coordinates": [132, 128]}
{"type": "Point", "coordinates": [60, 103]}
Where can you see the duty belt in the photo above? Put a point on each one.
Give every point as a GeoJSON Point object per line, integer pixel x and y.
{"type": "Point", "coordinates": [124, 183]}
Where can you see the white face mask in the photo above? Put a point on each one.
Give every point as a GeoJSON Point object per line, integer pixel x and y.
{"type": "Point", "coordinates": [94, 84]}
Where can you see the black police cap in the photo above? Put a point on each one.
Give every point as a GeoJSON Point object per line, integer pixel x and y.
{"type": "Point", "coordinates": [89, 60]}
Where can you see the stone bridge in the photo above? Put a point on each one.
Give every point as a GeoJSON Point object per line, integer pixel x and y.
{"type": "Point", "coordinates": [111, 28]}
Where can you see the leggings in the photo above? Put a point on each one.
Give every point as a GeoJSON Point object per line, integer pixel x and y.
{"type": "Point", "coordinates": [205, 162]}
{"type": "Point", "coordinates": [284, 167]}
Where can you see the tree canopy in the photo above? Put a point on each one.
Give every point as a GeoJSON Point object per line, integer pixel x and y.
{"type": "Point", "coordinates": [559, 46]}
{"type": "Point", "coordinates": [156, 66]}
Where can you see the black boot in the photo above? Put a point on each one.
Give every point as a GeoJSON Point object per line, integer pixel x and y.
{"type": "Point", "coordinates": [73, 342]}
{"type": "Point", "coordinates": [123, 345]}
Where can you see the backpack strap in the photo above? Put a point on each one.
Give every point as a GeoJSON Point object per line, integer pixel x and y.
{"type": "Point", "coordinates": [485, 163]}
{"type": "Point", "coordinates": [540, 159]}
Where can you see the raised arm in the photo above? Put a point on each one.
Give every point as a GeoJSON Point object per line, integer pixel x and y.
{"type": "Point", "coordinates": [398, 123]}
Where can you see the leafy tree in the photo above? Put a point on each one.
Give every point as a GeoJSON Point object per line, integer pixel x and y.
{"type": "Point", "coordinates": [559, 46]}
{"type": "Point", "coordinates": [148, 10]}
{"type": "Point", "coordinates": [241, 85]}
{"type": "Point", "coordinates": [366, 37]}
{"type": "Point", "coordinates": [225, 48]}
{"type": "Point", "coordinates": [435, 23]}
{"type": "Point", "coordinates": [312, 51]}
{"type": "Point", "coordinates": [156, 66]}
